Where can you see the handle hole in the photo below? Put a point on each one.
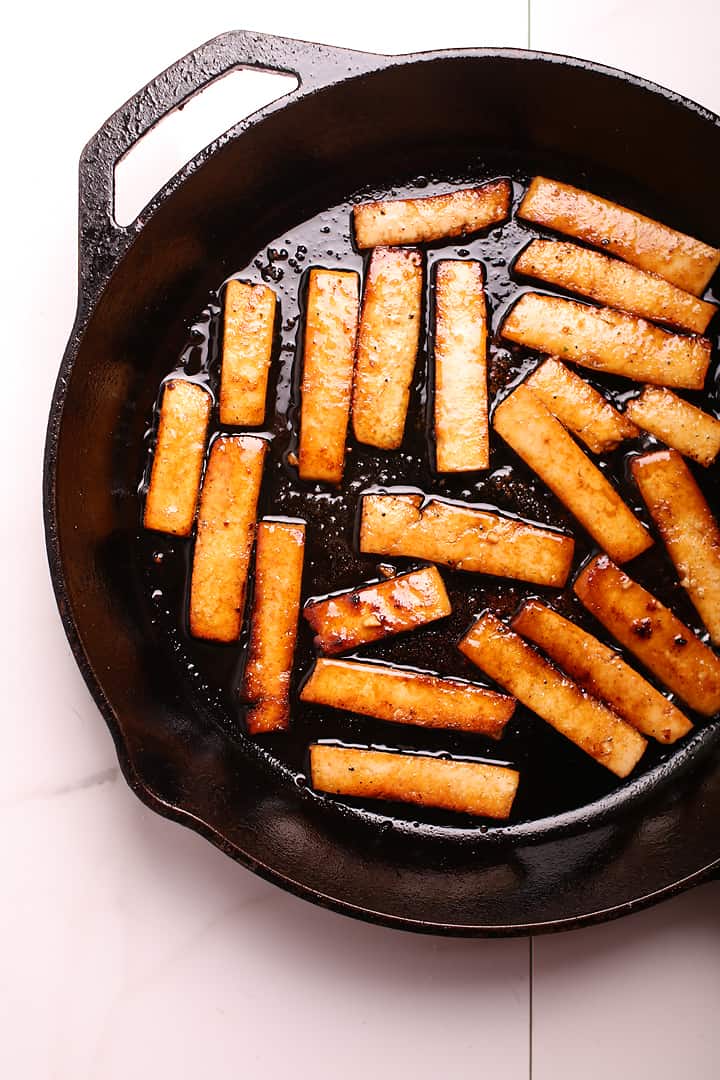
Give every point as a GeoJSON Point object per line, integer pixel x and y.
{"type": "Point", "coordinates": [175, 139]}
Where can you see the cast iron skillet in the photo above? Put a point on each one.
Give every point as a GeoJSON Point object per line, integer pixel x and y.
{"type": "Point", "coordinates": [353, 117]}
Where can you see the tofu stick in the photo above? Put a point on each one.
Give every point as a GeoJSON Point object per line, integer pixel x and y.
{"type": "Point", "coordinates": [520, 670]}
{"type": "Point", "coordinates": [606, 340]}
{"type": "Point", "coordinates": [460, 355]}
{"type": "Point", "coordinates": [686, 262]}
{"type": "Point", "coordinates": [652, 633]}
{"type": "Point", "coordinates": [615, 283]}
{"type": "Point", "coordinates": [330, 328]}
{"type": "Point", "coordinates": [580, 407]}
{"type": "Point", "coordinates": [464, 538]}
{"type": "Point", "coordinates": [406, 696]}
{"type": "Point", "coordinates": [387, 346]}
{"type": "Point", "coordinates": [602, 672]}
{"type": "Point", "coordinates": [544, 444]}
{"type": "Point", "coordinates": [688, 528]}
{"type": "Point", "coordinates": [273, 627]}
{"type": "Point", "coordinates": [249, 320]}
{"type": "Point", "coordinates": [435, 217]}
{"type": "Point", "coordinates": [177, 463]}
{"type": "Point", "coordinates": [377, 611]}
{"type": "Point", "coordinates": [677, 423]}
{"type": "Point", "coordinates": [225, 533]}
{"type": "Point", "coordinates": [469, 787]}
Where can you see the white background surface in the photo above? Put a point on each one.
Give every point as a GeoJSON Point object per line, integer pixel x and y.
{"type": "Point", "coordinates": [130, 947]}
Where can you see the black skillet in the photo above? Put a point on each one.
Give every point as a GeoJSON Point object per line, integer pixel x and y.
{"type": "Point", "coordinates": [581, 849]}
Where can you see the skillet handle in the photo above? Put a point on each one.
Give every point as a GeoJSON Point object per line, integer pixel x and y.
{"type": "Point", "coordinates": [101, 239]}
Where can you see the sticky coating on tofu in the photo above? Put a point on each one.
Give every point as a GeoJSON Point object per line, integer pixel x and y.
{"type": "Point", "coordinates": [545, 446]}
{"type": "Point", "coordinates": [468, 787]}
{"type": "Point", "coordinates": [379, 610]}
{"type": "Point", "coordinates": [279, 553]}
{"type": "Point", "coordinates": [520, 670]}
{"type": "Point", "coordinates": [601, 671]}
{"type": "Point", "coordinates": [688, 528]}
{"type": "Point", "coordinates": [178, 459]}
{"type": "Point", "coordinates": [460, 367]}
{"type": "Point", "coordinates": [681, 259]}
{"type": "Point", "coordinates": [677, 423]}
{"type": "Point", "coordinates": [248, 323]}
{"type": "Point", "coordinates": [387, 346]}
{"type": "Point", "coordinates": [406, 696]}
{"type": "Point", "coordinates": [225, 534]}
{"type": "Point", "coordinates": [464, 538]}
{"type": "Point", "coordinates": [615, 283]}
{"type": "Point", "coordinates": [660, 641]}
{"type": "Point", "coordinates": [580, 407]}
{"type": "Point", "coordinates": [603, 339]}
{"type": "Point", "coordinates": [433, 217]}
{"type": "Point", "coordinates": [328, 358]}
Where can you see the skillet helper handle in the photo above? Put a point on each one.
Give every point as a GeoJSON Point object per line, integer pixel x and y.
{"type": "Point", "coordinates": [101, 238]}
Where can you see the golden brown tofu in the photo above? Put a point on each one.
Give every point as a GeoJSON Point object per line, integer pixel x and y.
{"type": "Point", "coordinates": [520, 670]}
{"type": "Point", "coordinates": [387, 346]}
{"type": "Point", "coordinates": [580, 407]}
{"type": "Point", "coordinates": [377, 611]}
{"type": "Point", "coordinates": [543, 443]}
{"type": "Point", "coordinates": [177, 463]}
{"type": "Point", "coordinates": [676, 422]}
{"type": "Point", "coordinates": [464, 538]}
{"type": "Point", "coordinates": [686, 262]}
{"type": "Point", "coordinates": [419, 221]}
{"type": "Point", "coordinates": [225, 533]}
{"type": "Point", "coordinates": [602, 672]}
{"type": "Point", "coordinates": [650, 630]}
{"type": "Point", "coordinates": [249, 319]}
{"type": "Point", "coordinates": [615, 283]}
{"type": "Point", "coordinates": [273, 627]}
{"type": "Point", "coordinates": [460, 356]}
{"type": "Point", "coordinates": [406, 696]}
{"type": "Point", "coordinates": [330, 329]}
{"type": "Point", "coordinates": [469, 787]}
{"type": "Point", "coordinates": [688, 528]}
{"type": "Point", "coordinates": [606, 340]}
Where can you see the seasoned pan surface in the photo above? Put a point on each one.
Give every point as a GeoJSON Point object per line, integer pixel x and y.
{"type": "Point", "coordinates": [155, 299]}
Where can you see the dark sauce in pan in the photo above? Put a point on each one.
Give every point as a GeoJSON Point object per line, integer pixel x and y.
{"type": "Point", "coordinates": [556, 776]}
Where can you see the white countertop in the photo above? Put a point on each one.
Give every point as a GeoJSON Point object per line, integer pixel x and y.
{"type": "Point", "coordinates": [131, 947]}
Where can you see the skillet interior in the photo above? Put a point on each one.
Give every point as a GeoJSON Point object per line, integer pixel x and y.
{"type": "Point", "coordinates": [378, 129]}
